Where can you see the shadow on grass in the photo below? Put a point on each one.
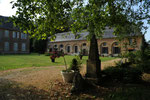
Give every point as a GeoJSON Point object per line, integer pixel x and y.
{"type": "Point", "coordinates": [139, 91]}
{"type": "Point", "coordinates": [117, 91]}
{"type": "Point", "coordinates": [10, 90]}
{"type": "Point", "coordinates": [108, 91]}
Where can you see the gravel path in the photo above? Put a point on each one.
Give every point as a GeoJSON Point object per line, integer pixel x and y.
{"type": "Point", "coordinates": [41, 77]}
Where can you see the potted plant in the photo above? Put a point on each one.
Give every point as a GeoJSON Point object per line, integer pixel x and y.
{"type": "Point", "coordinates": [76, 64]}
{"type": "Point", "coordinates": [68, 73]}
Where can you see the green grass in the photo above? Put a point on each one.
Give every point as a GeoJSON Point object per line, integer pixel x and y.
{"type": "Point", "coordinates": [21, 61]}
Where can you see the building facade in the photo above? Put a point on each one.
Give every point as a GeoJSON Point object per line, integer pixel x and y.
{"type": "Point", "coordinates": [108, 45]}
{"type": "Point", "coordinates": [12, 40]}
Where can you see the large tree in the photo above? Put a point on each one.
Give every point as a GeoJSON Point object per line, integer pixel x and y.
{"type": "Point", "coordinates": [42, 18]}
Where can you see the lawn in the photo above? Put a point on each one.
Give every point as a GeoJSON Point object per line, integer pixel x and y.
{"type": "Point", "coordinates": [34, 60]}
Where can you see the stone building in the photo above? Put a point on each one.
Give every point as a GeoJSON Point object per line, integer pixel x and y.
{"type": "Point", "coordinates": [108, 45]}
{"type": "Point", "coordinates": [12, 39]}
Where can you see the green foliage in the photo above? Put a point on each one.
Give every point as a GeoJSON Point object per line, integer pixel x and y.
{"type": "Point", "coordinates": [144, 66]}
{"type": "Point", "coordinates": [38, 46]}
{"type": "Point", "coordinates": [121, 74]}
{"type": "Point", "coordinates": [42, 18]}
{"type": "Point", "coordinates": [75, 64]}
{"type": "Point", "coordinates": [134, 57]}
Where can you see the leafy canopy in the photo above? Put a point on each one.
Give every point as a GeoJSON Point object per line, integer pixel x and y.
{"type": "Point", "coordinates": [42, 18]}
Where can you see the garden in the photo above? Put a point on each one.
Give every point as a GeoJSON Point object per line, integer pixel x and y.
{"type": "Point", "coordinates": [129, 79]}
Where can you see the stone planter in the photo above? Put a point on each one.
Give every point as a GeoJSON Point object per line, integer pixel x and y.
{"type": "Point", "coordinates": [67, 76]}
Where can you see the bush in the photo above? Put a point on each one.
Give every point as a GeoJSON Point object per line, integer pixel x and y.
{"type": "Point", "coordinates": [75, 64]}
{"type": "Point", "coordinates": [134, 57]}
{"type": "Point", "coordinates": [126, 75]}
{"type": "Point", "coordinates": [144, 66]}
{"type": "Point", "coordinates": [123, 65]}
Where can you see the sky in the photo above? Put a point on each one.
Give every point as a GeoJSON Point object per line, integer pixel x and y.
{"type": "Point", "coordinates": [6, 10]}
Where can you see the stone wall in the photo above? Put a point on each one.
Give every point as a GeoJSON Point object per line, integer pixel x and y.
{"type": "Point", "coordinates": [110, 43]}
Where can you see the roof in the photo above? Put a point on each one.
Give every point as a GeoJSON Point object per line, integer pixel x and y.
{"type": "Point", "coordinates": [69, 36]}
{"type": "Point", "coordinates": [6, 24]}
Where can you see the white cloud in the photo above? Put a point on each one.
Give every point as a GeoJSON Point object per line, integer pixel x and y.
{"type": "Point", "coordinates": [6, 8]}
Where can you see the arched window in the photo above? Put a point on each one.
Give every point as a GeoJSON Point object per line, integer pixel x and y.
{"type": "Point", "coordinates": [55, 46]}
{"type": "Point", "coordinates": [104, 48]}
{"type": "Point", "coordinates": [84, 44]}
{"type": "Point", "coordinates": [61, 46]}
{"type": "Point", "coordinates": [104, 44]}
{"type": "Point", "coordinates": [76, 49]}
{"type": "Point", "coordinates": [68, 49]}
{"type": "Point", "coordinates": [115, 48]}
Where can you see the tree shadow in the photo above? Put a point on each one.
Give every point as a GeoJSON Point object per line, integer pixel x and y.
{"type": "Point", "coordinates": [116, 91]}
{"type": "Point", "coordinates": [13, 90]}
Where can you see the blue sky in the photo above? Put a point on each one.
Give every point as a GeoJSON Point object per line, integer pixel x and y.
{"type": "Point", "coordinates": [6, 10]}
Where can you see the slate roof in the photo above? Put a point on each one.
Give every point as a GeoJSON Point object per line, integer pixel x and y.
{"type": "Point", "coordinates": [6, 24]}
{"type": "Point", "coordinates": [68, 36]}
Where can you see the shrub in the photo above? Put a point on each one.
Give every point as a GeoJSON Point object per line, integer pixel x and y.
{"type": "Point", "coordinates": [123, 65]}
{"type": "Point", "coordinates": [75, 64]}
{"type": "Point", "coordinates": [144, 66]}
{"type": "Point", "coordinates": [121, 74]}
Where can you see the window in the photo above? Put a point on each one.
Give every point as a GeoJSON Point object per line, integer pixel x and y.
{"type": "Point", "coordinates": [23, 36]}
{"type": "Point", "coordinates": [6, 46]}
{"type": "Point", "coordinates": [18, 35]}
{"type": "Point", "coordinates": [76, 49]}
{"type": "Point", "coordinates": [84, 44]}
{"type": "Point", "coordinates": [61, 46]}
{"type": "Point", "coordinates": [23, 47]}
{"type": "Point", "coordinates": [68, 49]}
{"type": "Point", "coordinates": [14, 35]}
{"type": "Point", "coordinates": [116, 50]}
{"type": "Point", "coordinates": [130, 41]}
{"type": "Point", "coordinates": [6, 33]}
{"type": "Point", "coordinates": [15, 46]}
{"type": "Point", "coordinates": [84, 51]}
{"type": "Point", "coordinates": [104, 44]}
{"type": "Point", "coordinates": [55, 46]}
{"type": "Point", "coordinates": [104, 50]}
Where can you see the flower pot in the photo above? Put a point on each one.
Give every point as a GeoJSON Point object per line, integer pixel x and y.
{"type": "Point", "coordinates": [68, 76]}
{"type": "Point", "coordinates": [53, 60]}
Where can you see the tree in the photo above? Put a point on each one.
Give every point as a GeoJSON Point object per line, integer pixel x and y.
{"type": "Point", "coordinates": [42, 18]}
